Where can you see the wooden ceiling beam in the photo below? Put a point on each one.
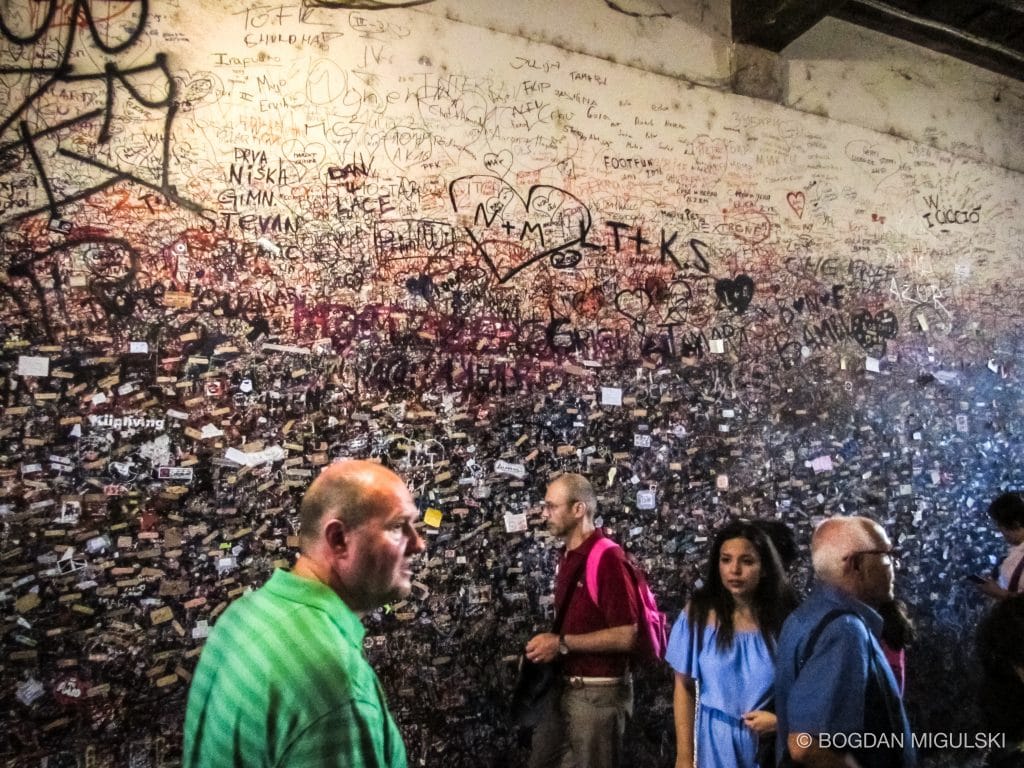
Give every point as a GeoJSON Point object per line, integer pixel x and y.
{"type": "Point", "coordinates": [774, 24]}
{"type": "Point", "coordinates": [975, 49]}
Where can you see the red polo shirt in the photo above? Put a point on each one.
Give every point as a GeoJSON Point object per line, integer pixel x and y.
{"type": "Point", "coordinates": [618, 606]}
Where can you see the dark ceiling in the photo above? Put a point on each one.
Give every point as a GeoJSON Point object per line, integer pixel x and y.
{"type": "Point", "coordinates": [987, 33]}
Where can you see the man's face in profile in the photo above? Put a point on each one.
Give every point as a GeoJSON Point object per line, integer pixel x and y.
{"type": "Point", "coordinates": [878, 570]}
{"type": "Point", "coordinates": [381, 549]}
{"type": "Point", "coordinates": [557, 507]}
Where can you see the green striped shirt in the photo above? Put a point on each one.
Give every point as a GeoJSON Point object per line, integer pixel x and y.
{"type": "Point", "coordinates": [283, 682]}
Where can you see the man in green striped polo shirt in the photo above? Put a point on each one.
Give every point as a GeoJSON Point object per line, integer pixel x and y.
{"type": "Point", "coordinates": [282, 681]}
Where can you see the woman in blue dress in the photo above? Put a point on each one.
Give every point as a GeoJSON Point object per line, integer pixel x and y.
{"type": "Point", "coordinates": [722, 651]}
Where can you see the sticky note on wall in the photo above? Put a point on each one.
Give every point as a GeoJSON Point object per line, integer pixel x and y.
{"type": "Point", "coordinates": [29, 365]}
{"type": "Point", "coordinates": [611, 396]}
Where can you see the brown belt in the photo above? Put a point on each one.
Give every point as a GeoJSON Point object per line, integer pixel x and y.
{"type": "Point", "coordinates": [578, 681]}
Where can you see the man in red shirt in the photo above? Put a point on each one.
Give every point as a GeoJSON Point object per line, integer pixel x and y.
{"type": "Point", "coordinates": [588, 710]}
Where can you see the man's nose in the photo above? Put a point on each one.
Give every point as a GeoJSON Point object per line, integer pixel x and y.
{"type": "Point", "coordinates": [416, 543]}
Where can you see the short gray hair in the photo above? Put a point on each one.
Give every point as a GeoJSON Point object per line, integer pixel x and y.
{"type": "Point", "coordinates": [835, 539]}
{"type": "Point", "coordinates": [578, 488]}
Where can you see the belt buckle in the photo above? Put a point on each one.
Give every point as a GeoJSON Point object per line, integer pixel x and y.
{"type": "Point", "coordinates": [576, 681]}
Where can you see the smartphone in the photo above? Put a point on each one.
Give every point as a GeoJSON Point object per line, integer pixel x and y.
{"type": "Point", "coordinates": [975, 578]}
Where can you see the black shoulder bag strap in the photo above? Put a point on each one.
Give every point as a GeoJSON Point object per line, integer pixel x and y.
{"type": "Point", "coordinates": [563, 607]}
{"type": "Point", "coordinates": [537, 680]}
{"type": "Point", "coordinates": [875, 698]}
{"type": "Point", "coordinates": [1013, 585]}
{"type": "Point", "coordinates": [812, 639]}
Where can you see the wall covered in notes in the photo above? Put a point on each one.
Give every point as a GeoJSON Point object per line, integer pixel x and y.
{"type": "Point", "coordinates": [241, 242]}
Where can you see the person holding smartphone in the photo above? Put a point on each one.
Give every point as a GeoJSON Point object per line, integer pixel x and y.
{"type": "Point", "coordinates": [1007, 512]}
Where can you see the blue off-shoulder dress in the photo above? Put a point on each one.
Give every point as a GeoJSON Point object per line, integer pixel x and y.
{"type": "Point", "coordinates": [729, 683]}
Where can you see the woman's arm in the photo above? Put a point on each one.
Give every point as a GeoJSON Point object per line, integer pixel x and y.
{"type": "Point", "coordinates": [760, 722]}
{"type": "Point", "coordinates": [684, 706]}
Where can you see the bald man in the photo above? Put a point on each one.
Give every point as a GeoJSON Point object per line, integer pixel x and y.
{"type": "Point", "coordinates": [282, 680]}
{"type": "Point", "coordinates": [836, 699]}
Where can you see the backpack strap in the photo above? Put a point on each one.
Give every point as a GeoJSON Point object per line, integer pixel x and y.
{"type": "Point", "coordinates": [601, 546]}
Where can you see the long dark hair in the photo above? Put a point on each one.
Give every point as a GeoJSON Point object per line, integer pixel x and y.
{"type": "Point", "coordinates": [898, 630]}
{"type": "Point", "coordinates": [773, 598]}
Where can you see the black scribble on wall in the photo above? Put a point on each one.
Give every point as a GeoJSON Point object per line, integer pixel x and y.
{"type": "Point", "coordinates": [637, 14]}
{"type": "Point", "coordinates": [363, 5]}
{"type": "Point", "coordinates": [109, 267]}
{"type": "Point", "coordinates": [41, 134]}
{"type": "Point", "coordinates": [511, 233]}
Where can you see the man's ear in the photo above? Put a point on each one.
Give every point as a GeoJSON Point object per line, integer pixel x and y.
{"type": "Point", "coordinates": [853, 565]}
{"type": "Point", "coordinates": [336, 537]}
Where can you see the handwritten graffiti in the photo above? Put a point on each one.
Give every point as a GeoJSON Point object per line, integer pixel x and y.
{"type": "Point", "coordinates": [352, 176]}
{"type": "Point", "coordinates": [365, 5]}
{"type": "Point", "coordinates": [66, 138]}
{"type": "Point", "coordinates": [478, 271]}
{"type": "Point", "coordinates": [510, 233]}
{"type": "Point", "coordinates": [872, 330]}
{"type": "Point", "coordinates": [41, 284]}
{"type": "Point", "coordinates": [797, 201]}
{"type": "Point", "coordinates": [945, 215]}
{"type": "Point", "coordinates": [736, 293]}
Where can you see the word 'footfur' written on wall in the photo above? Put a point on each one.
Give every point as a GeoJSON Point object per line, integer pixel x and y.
{"type": "Point", "coordinates": [240, 242]}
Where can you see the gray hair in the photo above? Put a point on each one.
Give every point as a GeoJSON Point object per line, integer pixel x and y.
{"type": "Point", "coordinates": [578, 488]}
{"type": "Point", "coordinates": [835, 539]}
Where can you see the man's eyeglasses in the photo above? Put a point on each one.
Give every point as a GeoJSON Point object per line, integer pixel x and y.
{"type": "Point", "coordinates": [891, 553]}
{"type": "Point", "coordinates": [547, 506]}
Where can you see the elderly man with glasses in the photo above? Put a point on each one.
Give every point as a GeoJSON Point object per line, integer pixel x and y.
{"type": "Point", "coordinates": [837, 701]}
{"type": "Point", "coordinates": [586, 714]}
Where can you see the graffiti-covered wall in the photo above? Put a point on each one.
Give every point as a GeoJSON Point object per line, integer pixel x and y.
{"type": "Point", "coordinates": [241, 241]}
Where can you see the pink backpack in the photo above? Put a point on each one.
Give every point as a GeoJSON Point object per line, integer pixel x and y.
{"type": "Point", "coordinates": [652, 633]}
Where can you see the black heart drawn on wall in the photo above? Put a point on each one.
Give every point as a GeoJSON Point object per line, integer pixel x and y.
{"type": "Point", "coordinates": [871, 331]}
{"type": "Point", "coordinates": [633, 304]}
{"type": "Point", "coordinates": [499, 162]}
{"type": "Point", "coordinates": [736, 293]}
{"type": "Point", "coordinates": [422, 285]}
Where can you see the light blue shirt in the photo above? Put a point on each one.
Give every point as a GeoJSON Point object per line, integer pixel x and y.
{"type": "Point", "coordinates": [829, 694]}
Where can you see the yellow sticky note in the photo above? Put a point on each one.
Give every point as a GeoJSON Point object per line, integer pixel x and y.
{"type": "Point", "coordinates": [432, 517]}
